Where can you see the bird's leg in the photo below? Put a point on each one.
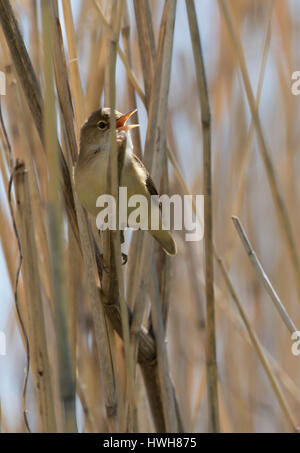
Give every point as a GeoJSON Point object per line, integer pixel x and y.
{"type": "Point", "coordinates": [124, 256]}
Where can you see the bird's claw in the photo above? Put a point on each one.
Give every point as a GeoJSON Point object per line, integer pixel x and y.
{"type": "Point", "coordinates": [125, 258]}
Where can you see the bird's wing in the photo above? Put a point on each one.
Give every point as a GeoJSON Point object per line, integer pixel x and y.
{"type": "Point", "coordinates": [149, 182]}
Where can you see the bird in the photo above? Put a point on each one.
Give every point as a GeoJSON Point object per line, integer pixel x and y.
{"type": "Point", "coordinates": [90, 173]}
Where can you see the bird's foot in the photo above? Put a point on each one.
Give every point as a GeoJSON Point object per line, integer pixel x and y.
{"type": "Point", "coordinates": [125, 258]}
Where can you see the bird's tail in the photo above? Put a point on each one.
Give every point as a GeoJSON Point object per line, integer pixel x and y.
{"type": "Point", "coordinates": [166, 241]}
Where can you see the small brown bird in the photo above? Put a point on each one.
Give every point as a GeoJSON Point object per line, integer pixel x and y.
{"type": "Point", "coordinates": [91, 168]}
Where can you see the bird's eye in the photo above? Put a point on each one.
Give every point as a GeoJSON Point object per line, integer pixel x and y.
{"type": "Point", "coordinates": [102, 125]}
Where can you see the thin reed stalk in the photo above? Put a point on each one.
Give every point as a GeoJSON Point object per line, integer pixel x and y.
{"type": "Point", "coordinates": [62, 281]}
{"type": "Point", "coordinates": [256, 344]}
{"type": "Point", "coordinates": [211, 361]}
{"type": "Point", "coordinates": [55, 219]}
{"type": "Point", "coordinates": [35, 314]}
{"type": "Point", "coordinates": [280, 204]}
{"type": "Point", "coordinates": [113, 178]}
{"type": "Point", "coordinates": [169, 405]}
{"type": "Point", "coordinates": [102, 340]}
{"type": "Point", "coordinates": [263, 276]}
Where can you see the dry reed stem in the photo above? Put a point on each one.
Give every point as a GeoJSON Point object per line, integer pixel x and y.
{"type": "Point", "coordinates": [36, 325]}
{"type": "Point", "coordinates": [232, 291]}
{"type": "Point", "coordinates": [77, 93]}
{"type": "Point", "coordinates": [234, 318]}
{"type": "Point", "coordinates": [163, 369]}
{"type": "Point", "coordinates": [227, 278]}
{"type": "Point", "coordinates": [281, 209]}
{"type": "Point", "coordinates": [96, 70]}
{"type": "Point", "coordinates": [102, 340]}
{"type": "Point", "coordinates": [55, 219]}
{"type": "Point", "coordinates": [246, 402]}
{"type": "Point", "coordinates": [147, 53]}
{"type": "Point", "coordinates": [211, 361]}
{"type": "Point", "coordinates": [16, 294]}
{"type": "Point", "coordinates": [154, 152]}
{"type": "Point", "coordinates": [63, 88]}
{"type": "Point", "coordinates": [22, 61]}
{"type": "Point", "coordinates": [237, 204]}
{"type": "Point", "coordinates": [247, 154]}
{"type": "Point", "coordinates": [129, 71]}
{"type": "Point", "coordinates": [146, 39]}
{"type": "Point", "coordinates": [39, 221]}
{"type": "Point", "coordinates": [147, 352]}
{"type": "Point", "coordinates": [149, 383]}
{"type": "Point", "coordinates": [263, 276]}
{"type": "Point", "coordinates": [224, 271]}
{"type": "Point", "coordinates": [256, 344]}
{"type": "Point", "coordinates": [90, 421]}
{"type": "Point", "coordinates": [101, 334]}
{"type": "Point", "coordinates": [33, 95]}
{"type": "Point", "coordinates": [155, 143]}
{"type": "Point", "coordinates": [113, 185]}
{"type": "Point", "coordinates": [132, 105]}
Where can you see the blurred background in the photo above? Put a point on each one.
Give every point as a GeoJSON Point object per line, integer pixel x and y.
{"type": "Point", "coordinates": [269, 33]}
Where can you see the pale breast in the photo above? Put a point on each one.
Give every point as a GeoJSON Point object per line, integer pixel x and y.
{"type": "Point", "coordinates": [90, 180]}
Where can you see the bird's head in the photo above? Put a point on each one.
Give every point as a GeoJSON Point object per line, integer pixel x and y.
{"type": "Point", "coordinates": [95, 133]}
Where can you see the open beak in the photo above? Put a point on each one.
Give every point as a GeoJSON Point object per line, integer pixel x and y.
{"type": "Point", "coordinates": [121, 122]}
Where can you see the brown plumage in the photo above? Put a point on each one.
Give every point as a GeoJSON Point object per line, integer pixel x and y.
{"type": "Point", "coordinates": [91, 169]}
